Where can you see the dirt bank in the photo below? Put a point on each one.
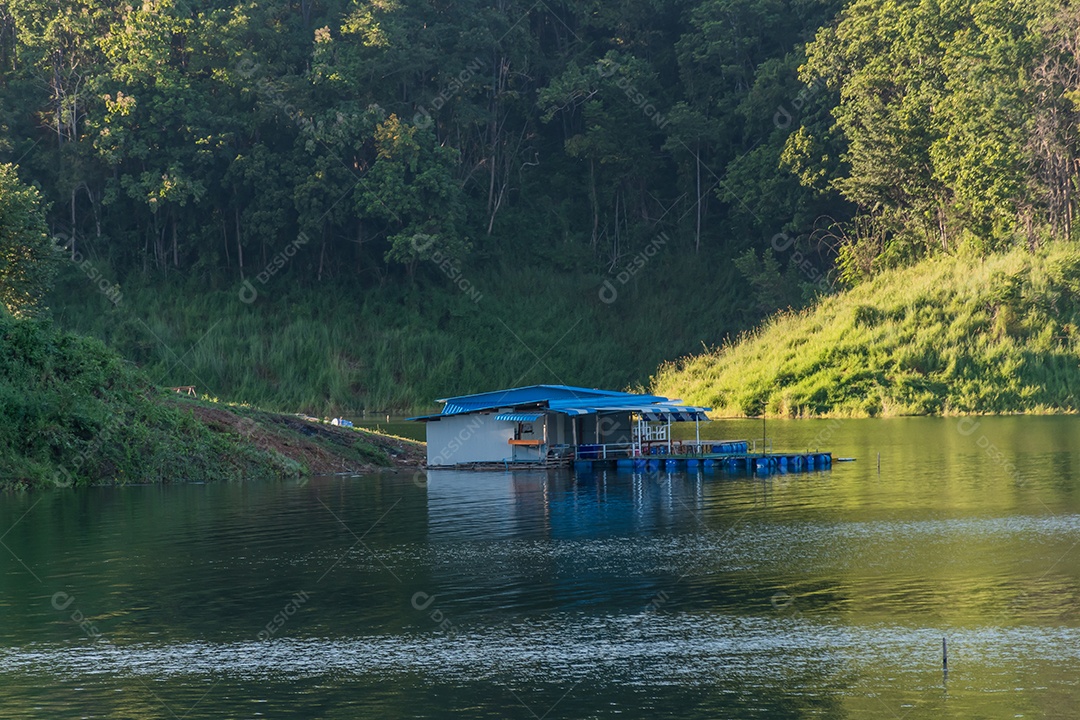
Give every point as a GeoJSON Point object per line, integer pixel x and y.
{"type": "Point", "coordinates": [319, 447]}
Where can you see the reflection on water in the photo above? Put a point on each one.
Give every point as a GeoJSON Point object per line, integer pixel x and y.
{"type": "Point", "coordinates": [597, 595]}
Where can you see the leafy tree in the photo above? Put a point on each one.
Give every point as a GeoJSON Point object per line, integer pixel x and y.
{"type": "Point", "coordinates": [411, 189]}
{"type": "Point", "coordinates": [28, 258]}
{"type": "Point", "coordinates": [944, 136]}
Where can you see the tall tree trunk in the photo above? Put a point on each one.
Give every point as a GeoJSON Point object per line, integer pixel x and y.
{"type": "Point", "coordinates": [225, 239]}
{"type": "Point", "coordinates": [239, 245]}
{"type": "Point", "coordinates": [73, 191]}
{"type": "Point", "coordinates": [491, 192]}
{"type": "Point", "coordinates": [94, 208]}
{"type": "Point", "coordinates": [162, 255]}
{"type": "Point", "coordinates": [322, 254]}
{"type": "Point", "coordinates": [697, 229]}
{"type": "Point", "coordinates": [615, 234]}
{"type": "Point", "coordinates": [595, 201]}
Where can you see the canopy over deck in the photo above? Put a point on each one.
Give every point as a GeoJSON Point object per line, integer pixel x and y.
{"type": "Point", "coordinates": [527, 404]}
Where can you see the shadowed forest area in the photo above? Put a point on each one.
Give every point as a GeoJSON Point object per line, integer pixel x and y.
{"type": "Point", "coordinates": [346, 206]}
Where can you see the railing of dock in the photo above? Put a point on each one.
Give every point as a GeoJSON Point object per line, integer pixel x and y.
{"type": "Point", "coordinates": [648, 432]}
{"type": "Point", "coordinates": [608, 451]}
{"type": "Point", "coordinates": [605, 451]}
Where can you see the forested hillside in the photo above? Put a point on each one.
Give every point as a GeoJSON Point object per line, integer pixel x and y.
{"type": "Point", "coordinates": [346, 205]}
{"type": "Point", "coordinates": [208, 136]}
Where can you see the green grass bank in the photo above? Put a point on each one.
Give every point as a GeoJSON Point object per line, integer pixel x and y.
{"type": "Point", "coordinates": [951, 335]}
{"type": "Point", "coordinates": [73, 412]}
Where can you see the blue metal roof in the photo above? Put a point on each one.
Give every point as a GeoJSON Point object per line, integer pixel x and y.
{"type": "Point", "coordinates": [565, 399]}
{"type": "Point", "coordinates": [525, 395]}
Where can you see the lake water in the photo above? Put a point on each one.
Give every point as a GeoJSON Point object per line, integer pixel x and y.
{"type": "Point", "coordinates": [473, 595]}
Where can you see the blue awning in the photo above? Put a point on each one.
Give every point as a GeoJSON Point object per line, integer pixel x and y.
{"type": "Point", "coordinates": [519, 417]}
{"type": "Point", "coordinates": [651, 412]}
{"type": "Point", "coordinates": [683, 414]}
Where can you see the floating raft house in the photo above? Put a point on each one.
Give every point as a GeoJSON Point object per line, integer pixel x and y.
{"type": "Point", "coordinates": [562, 425]}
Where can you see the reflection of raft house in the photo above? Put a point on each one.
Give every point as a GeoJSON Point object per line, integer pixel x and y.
{"type": "Point", "coordinates": [553, 425]}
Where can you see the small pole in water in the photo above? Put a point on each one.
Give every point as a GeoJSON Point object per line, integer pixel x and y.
{"type": "Point", "coordinates": [763, 428]}
{"type": "Point", "coordinates": [879, 463]}
{"type": "Point", "coordinates": [944, 657]}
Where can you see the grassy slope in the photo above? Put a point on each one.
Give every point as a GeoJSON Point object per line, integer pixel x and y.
{"type": "Point", "coordinates": [339, 349]}
{"type": "Point", "coordinates": [950, 335]}
{"type": "Point", "coordinates": [74, 412]}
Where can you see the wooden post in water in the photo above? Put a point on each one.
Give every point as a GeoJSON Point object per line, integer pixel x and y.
{"type": "Point", "coordinates": [944, 656]}
{"type": "Point", "coordinates": [879, 463]}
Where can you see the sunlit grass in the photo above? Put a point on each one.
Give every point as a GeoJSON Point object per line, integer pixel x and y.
{"type": "Point", "coordinates": [960, 334]}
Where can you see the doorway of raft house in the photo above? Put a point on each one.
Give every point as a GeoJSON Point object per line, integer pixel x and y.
{"type": "Point", "coordinates": [527, 441]}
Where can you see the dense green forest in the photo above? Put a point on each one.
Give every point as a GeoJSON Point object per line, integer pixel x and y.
{"type": "Point", "coordinates": [365, 205]}
{"type": "Point", "coordinates": [210, 136]}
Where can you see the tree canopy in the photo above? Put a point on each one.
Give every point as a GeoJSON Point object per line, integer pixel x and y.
{"type": "Point", "coordinates": [954, 123]}
{"type": "Point", "coordinates": [205, 136]}
{"type": "Point", "coordinates": [27, 254]}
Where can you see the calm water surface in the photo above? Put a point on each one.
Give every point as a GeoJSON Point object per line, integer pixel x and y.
{"type": "Point", "coordinates": [607, 595]}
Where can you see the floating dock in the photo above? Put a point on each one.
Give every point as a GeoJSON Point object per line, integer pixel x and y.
{"type": "Point", "coordinates": [774, 462]}
{"type": "Point", "coordinates": [729, 456]}
{"type": "Point", "coordinates": [732, 457]}
{"type": "Point", "coordinates": [731, 462]}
